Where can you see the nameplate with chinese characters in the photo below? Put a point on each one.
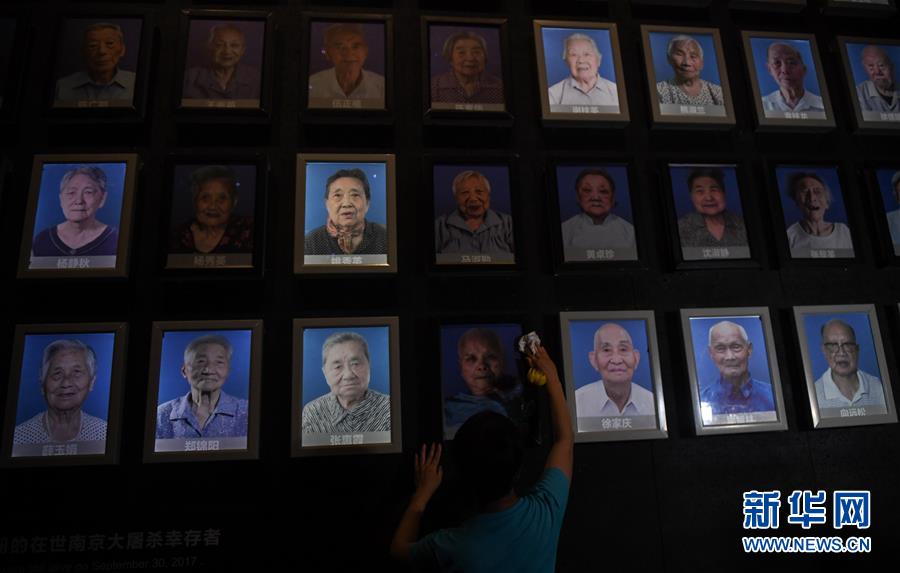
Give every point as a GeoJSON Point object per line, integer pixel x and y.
{"type": "Point", "coordinates": [712, 253]}
{"type": "Point", "coordinates": [823, 253]}
{"type": "Point", "coordinates": [57, 449]}
{"type": "Point", "coordinates": [880, 116]}
{"type": "Point", "coordinates": [468, 106]}
{"type": "Point", "coordinates": [853, 411]}
{"type": "Point", "coordinates": [739, 418]}
{"type": "Point", "coordinates": [615, 423]}
{"type": "Point", "coordinates": [811, 114]}
{"type": "Point", "coordinates": [220, 103]}
{"type": "Point", "coordinates": [601, 255]}
{"type": "Point", "coordinates": [354, 439]}
{"type": "Point", "coordinates": [460, 259]}
{"type": "Point", "coordinates": [345, 260]}
{"type": "Point", "coordinates": [200, 444]}
{"type": "Point", "coordinates": [584, 109]}
{"type": "Point", "coordinates": [693, 110]}
{"type": "Point", "coordinates": [195, 261]}
{"type": "Point", "coordinates": [96, 262]}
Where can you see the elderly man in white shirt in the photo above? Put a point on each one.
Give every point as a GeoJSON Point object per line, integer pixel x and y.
{"type": "Point", "coordinates": [584, 86]}
{"type": "Point", "coordinates": [785, 65]}
{"type": "Point", "coordinates": [843, 384]}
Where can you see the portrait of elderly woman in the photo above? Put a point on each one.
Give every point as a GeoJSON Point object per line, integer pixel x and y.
{"type": "Point", "coordinates": [83, 191]}
{"type": "Point", "coordinates": [344, 49]}
{"type": "Point", "coordinates": [223, 62]}
{"type": "Point", "coordinates": [67, 375]}
{"type": "Point", "coordinates": [346, 231]}
{"type": "Point", "coordinates": [583, 84]}
{"type": "Point", "coordinates": [595, 225]}
{"type": "Point", "coordinates": [473, 56]}
{"type": "Point", "coordinates": [206, 410]}
{"type": "Point", "coordinates": [218, 201]}
{"type": "Point", "coordinates": [472, 227]}
{"type": "Point", "coordinates": [684, 79]}
{"type": "Point", "coordinates": [475, 356]}
{"type": "Point", "coordinates": [813, 196]}
{"type": "Point", "coordinates": [351, 404]}
{"type": "Point", "coordinates": [708, 224]}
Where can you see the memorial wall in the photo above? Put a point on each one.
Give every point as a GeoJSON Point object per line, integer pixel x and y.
{"type": "Point", "coordinates": [256, 253]}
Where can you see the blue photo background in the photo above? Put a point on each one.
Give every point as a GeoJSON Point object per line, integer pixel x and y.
{"type": "Point", "coordinates": [681, 194]}
{"type": "Point", "coordinates": [558, 69]}
{"type": "Point", "coordinates": [767, 85]}
{"type": "Point", "coordinates": [378, 339]}
{"type": "Point", "coordinates": [173, 385]}
{"type": "Point", "coordinates": [884, 177]}
{"type": "Point", "coordinates": [581, 337]}
{"type": "Point", "coordinates": [31, 400]}
{"type": "Point", "coordinates": [451, 381]}
{"type": "Point", "coordinates": [859, 322]}
{"type": "Point", "coordinates": [836, 211]}
{"type": "Point", "coordinates": [659, 41]}
{"type": "Point", "coordinates": [373, 33]}
{"type": "Point", "coordinates": [438, 34]}
{"type": "Point", "coordinates": [707, 372]}
{"type": "Point", "coordinates": [318, 172]}
{"type": "Point", "coordinates": [49, 213]}
{"type": "Point", "coordinates": [568, 197]}
{"type": "Point", "coordinates": [497, 175]}
{"type": "Point", "coordinates": [854, 54]}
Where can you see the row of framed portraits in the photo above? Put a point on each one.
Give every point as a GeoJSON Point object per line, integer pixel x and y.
{"type": "Point", "coordinates": [205, 381]}
{"type": "Point", "coordinates": [226, 66]}
{"type": "Point", "coordinates": [80, 207]}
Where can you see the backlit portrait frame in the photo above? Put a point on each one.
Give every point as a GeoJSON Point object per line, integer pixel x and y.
{"type": "Point", "coordinates": [448, 221]}
{"type": "Point", "coordinates": [309, 384]}
{"type": "Point", "coordinates": [439, 80]}
{"type": "Point", "coordinates": [42, 215]}
{"type": "Point", "coordinates": [554, 76]}
{"type": "Point", "coordinates": [714, 74]}
{"type": "Point", "coordinates": [313, 170]}
{"type": "Point", "coordinates": [168, 384]}
{"type": "Point", "coordinates": [696, 324]}
{"type": "Point", "coordinates": [862, 90]}
{"type": "Point", "coordinates": [194, 80]}
{"type": "Point", "coordinates": [107, 343]}
{"type": "Point", "coordinates": [863, 319]}
{"type": "Point", "coordinates": [377, 31]}
{"type": "Point", "coordinates": [584, 382]}
{"type": "Point", "coordinates": [241, 244]}
{"type": "Point", "coordinates": [756, 46]}
{"type": "Point", "coordinates": [885, 181]}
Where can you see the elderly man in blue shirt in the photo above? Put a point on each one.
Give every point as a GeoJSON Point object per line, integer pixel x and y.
{"type": "Point", "coordinates": [735, 391]}
{"type": "Point", "coordinates": [103, 46]}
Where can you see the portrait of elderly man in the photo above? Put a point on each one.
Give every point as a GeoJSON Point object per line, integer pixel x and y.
{"type": "Point", "coordinates": [82, 193]}
{"type": "Point", "coordinates": [785, 64]}
{"type": "Point", "coordinates": [878, 93]}
{"type": "Point", "coordinates": [223, 75]}
{"type": "Point", "coordinates": [214, 226]}
{"type": "Point", "coordinates": [102, 48]}
{"type": "Point", "coordinates": [488, 387]}
{"type": "Point", "coordinates": [347, 200]}
{"type": "Point", "coordinates": [735, 391]}
{"type": "Point", "coordinates": [350, 406]}
{"type": "Point", "coordinates": [206, 410]}
{"type": "Point", "coordinates": [893, 217]}
{"type": "Point", "coordinates": [813, 197]}
{"type": "Point", "coordinates": [345, 47]}
{"type": "Point", "coordinates": [467, 81]}
{"type": "Point", "coordinates": [843, 384]}
{"type": "Point", "coordinates": [67, 375]}
{"type": "Point", "coordinates": [711, 224]}
{"type": "Point", "coordinates": [615, 358]}
{"type": "Point", "coordinates": [584, 85]}
{"type": "Point", "coordinates": [686, 87]}
{"type": "Point", "coordinates": [473, 227]}
{"type": "Point", "coordinates": [596, 226]}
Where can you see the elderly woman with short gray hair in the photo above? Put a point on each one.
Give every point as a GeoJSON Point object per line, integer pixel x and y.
{"type": "Point", "coordinates": [686, 87]}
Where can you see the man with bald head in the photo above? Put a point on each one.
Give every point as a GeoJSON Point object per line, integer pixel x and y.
{"type": "Point", "coordinates": [844, 384]}
{"type": "Point", "coordinates": [879, 92]}
{"type": "Point", "coordinates": [735, 391]}
{"type": "Point", "coordinates": [615, 394]}
{"type": "Point", "coordinates": [785, 65]}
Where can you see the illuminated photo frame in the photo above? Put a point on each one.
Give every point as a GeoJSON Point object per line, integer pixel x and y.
{"type": "Point", "coordinates": [865, 61]}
